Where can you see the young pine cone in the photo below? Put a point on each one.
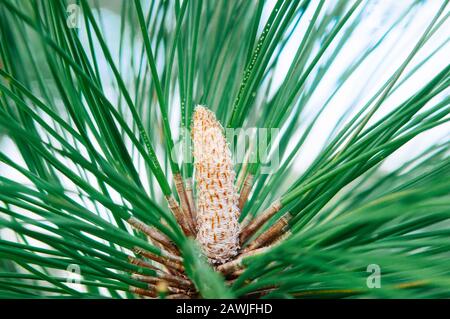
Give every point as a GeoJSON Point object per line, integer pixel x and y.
{"type": "Point", "coordinates": [217, 198]}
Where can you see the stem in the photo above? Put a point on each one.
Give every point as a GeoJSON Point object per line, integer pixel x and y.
{"type": "Point", "coordinates": [191, 202]}
{"type": "Point", "coordinates": [260, 220]}
{"type": "Point", "coordinates": [153, 234]}
{"type": "Point", "coordinates": [168, 261]}
{"type": "Point", "coordinates": [245, 192]}
{"type": "Point", "coordinates": [236, 264]}
{"type": "Point", "coordinates": [274, 232]}
{"type": "Point", "coordinates": [184, 203]}
{"type": "Point", "coordinates": [179, 215]}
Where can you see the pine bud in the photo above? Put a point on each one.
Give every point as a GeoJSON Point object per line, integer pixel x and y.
{"type": "Point", "coordinates": [217, 197]}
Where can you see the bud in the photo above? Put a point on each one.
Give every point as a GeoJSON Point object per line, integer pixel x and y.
{"type": "Point", "coordinates": [217, 197]}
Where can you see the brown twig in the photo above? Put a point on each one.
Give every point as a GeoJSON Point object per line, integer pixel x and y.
{"type": "Point", "coordinates": [184, 203]}
{"type": "Point", "coordinates": [246, 221]}
{"type": "Point", "coordinates": [167, 260]}
{"type": "Point", "coordinates": [245, 191]}
{"type": "Point", "coordinates": [146, 279]}
{"type": "Point", "coordinates": [161, 284]}
{"type": "Point", "coordinates": [141, 263]}
{"type": "Point", "coordinates": [175, 281]}
{"type": "Point", "coordinates": [191, 202]}
{"type": "Point", "coordinates": [179, 215]}
{"type": "Point", "coordinates": [236, 264]}
{"type": "Point", "coordinates": [256, 223]}
{"type": "Point", "coordinates": [231, 277]}
{"type": "Point", "coordinates": [245, 165]}
{"type": "Point", "coordinates": [271, 234]}
{"type": "Point", "coordinates": [153, 234]}
{"type": "Point", "coordinates": [282, 236]}
{"type": "Point", "coordinates": [143, 292]}
{"type": "Point", "coordinates": [170, 289]}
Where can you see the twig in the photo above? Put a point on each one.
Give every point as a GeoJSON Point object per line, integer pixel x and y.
{"type": "Point", "coordinates": [167, 260]}
{"type": "Point", "coordinates": [236, 264]}
{"type": "Point", "coordinates": [141, 263]}
{"type": "Point", "coordinates": [270, 235]}
{"type": "Point", "coordinates": [245, 165]}
{"type": "Point", "coordinates": [231, 277]}
{"type": "Point", "coordinates": [182, 194]}
{"type": "Point", "coordinates": [153, 234]}
{"type": "Point", "coordinates": [146, 279]}
{"type": "Point", "coordinates": [256, 223]}
{"type": "Point", "coordinates": [246, 221]}
{"type": "Point", "coordinates": [191, 202]}
{"type": "Point", "coordinates": [161, 285]}
{"type": "Point", "coordinates": [245, 191]}
{"type": "Point", "coordinates": [175, 281]}
{"type": "Point", "coordinates": [143, 292]}
{"type": "Point", "coordinates": [179, 215]}
{"type": "Point", "coordinates": [170, 289]}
